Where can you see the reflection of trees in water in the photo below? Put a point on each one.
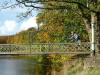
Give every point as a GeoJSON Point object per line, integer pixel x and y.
{"type": "Point", "coordinates": [32, 66]}
{"type": "Point", "coordinates": [50, 65]}
{"type": "Point", "coordinates": [39, 68]}
{"type": "Point", "coordinates": [47, 65]}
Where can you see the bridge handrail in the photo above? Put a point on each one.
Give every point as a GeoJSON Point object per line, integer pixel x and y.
{"type": "Point", "coordinates": [48, 43]}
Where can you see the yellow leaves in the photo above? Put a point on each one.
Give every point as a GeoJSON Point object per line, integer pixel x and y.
{"type": "Point", "coordinates": [39, 35]}
{"type": "Point", "coordinates": [52, 2]}
{"type": "Point", "coordinates": [67, 20]}
{"type": "Point", "coordinates": [55, 40]}
{"type": "Point", "coordinates": [50, 33]}
{"type": "Point", "coordinates": [59, 20]}
{"type": "Point", "coordinates": [59, 58]}
{"type": "Point", "coordinates": [46, 35]}
{"type": "Point", "coordinates": [60, 29]}
{"type": "Point", "coordinates": [52, 55]}
{"type": "Point", "coordinates": [73, 55]}
{"type": "Point", "coordinates": [64, 57]}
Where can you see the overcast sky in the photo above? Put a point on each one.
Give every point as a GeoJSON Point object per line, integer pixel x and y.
{"type": "Point", "coordinates": [10, 24]}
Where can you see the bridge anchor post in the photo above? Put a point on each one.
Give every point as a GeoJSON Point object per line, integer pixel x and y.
{"type": "Point", "coordinates": [93, 41]}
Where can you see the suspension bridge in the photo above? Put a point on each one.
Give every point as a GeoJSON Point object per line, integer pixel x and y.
{"type": "Point", "coordinates": [49, 48]}
{"type": "Point", "coordinates": [45, 48]}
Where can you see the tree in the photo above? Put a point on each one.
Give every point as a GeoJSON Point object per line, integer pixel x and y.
{"type": "Point", "coordinates": [3, 39]}
{"type": "Point", "coordinates": [60, 23]}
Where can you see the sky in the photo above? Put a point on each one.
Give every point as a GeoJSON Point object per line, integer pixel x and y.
{"type": "Point", "coordinates": [10, 24]}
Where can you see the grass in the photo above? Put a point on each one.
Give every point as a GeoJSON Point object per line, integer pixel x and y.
{"type": "Point", "coordinates": [77, 68]}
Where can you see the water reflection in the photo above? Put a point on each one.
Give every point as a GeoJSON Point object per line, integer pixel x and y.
{"type": "Point", "coordinates": [27, 65]}
{"type": "Point", "coordinates": [10, 65]}
{"type": "Point", "coordinates": [24, 65]}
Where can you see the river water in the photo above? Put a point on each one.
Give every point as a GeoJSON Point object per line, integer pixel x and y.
{"type": "Point", "coordinates": [23, 65]}
{"type": "Point", "coordinates": [15, 65]}
{"type": "Point", "coordinates": [27, 65]}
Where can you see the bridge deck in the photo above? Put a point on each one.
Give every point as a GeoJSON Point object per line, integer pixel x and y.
{"type": "Point", "coordinates": [35, 53]}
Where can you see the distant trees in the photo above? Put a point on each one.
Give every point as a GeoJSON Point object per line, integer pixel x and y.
{"type": "Point", "coordinates": [23, 37]}
{"type": "Point", "coordinates": [3, 39]}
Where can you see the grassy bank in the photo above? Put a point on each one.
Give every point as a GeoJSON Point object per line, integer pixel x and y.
{"type": "Point", "coordinates": [77, 68]}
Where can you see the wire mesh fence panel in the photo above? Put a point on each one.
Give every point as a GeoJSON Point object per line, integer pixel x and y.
{"type": "Point", "coordinates": [5, 48]}
{"type": "Point", "coordinates": [45, 47]}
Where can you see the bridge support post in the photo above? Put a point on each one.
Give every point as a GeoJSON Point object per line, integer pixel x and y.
{"type": "Point", "coordinates": [93, 40]}
{"type": "Point", "coordinates": [40, 48]}
{"type": "Point", "coordinates": [30, 48]}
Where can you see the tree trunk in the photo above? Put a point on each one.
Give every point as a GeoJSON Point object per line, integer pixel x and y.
{"type": "Point", "coordinates": [88, 27]}
{"type": "Point", "coordinates": [97, 28]}
{"type": "Point", "coordinates": [95, 19]}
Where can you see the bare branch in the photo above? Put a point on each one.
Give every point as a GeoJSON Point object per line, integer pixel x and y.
{"type": "Point", "coordinates": [59, 7]}
{"type": "Point", "coordinates": [25, 14]}
{"type": "Point", "coordinates": [29, 4]}
{"type": "Point", "coordinates": [10, 6]}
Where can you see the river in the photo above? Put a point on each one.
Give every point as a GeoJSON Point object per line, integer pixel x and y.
{"type": "Point", "coordinates": [27, 65]}
{"type": "Point", "coordinates": [23, 65]}
{"type": "Point", "coordinates": [15, 65]}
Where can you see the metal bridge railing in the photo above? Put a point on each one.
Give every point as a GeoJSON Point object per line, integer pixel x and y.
{"type": "Point", "coordinates": [44, 47]}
